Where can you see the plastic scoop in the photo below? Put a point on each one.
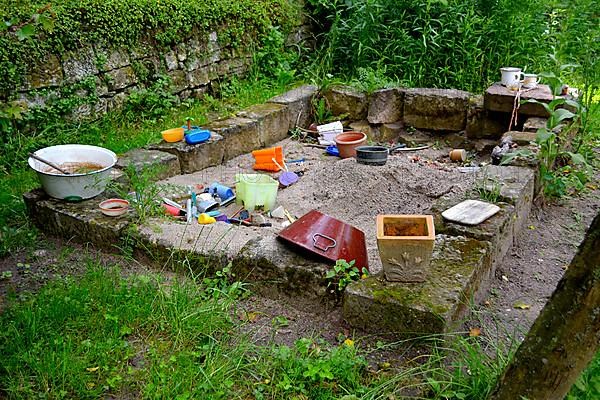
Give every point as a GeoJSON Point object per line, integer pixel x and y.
{"type": "Point", "coordinates": [286, 178]}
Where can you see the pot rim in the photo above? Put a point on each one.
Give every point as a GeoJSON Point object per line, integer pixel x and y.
{"type": "Point", "coordinates": [104, 204]}
{"type": "Point", "coordinates": [345, 142]}
{"type": "Point", "coordinates": [83, 146]}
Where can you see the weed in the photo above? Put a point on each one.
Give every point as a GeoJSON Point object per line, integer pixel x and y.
{"type": "Point", "coordinates": [342, 274]}
{"type": "Point", "coordinates": [321, 111]}
{"type": "Point", "coordinates": [488, 189]}
{"type": "Point", "coordinates": [559, 169]}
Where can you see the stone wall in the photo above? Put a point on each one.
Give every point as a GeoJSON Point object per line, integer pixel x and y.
{"type": "Point", "coordinates": [191, 66]}
{"type": "Point", "coordinates": [459, 117]}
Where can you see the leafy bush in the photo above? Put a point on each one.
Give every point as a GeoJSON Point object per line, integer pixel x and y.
{"type": "Point", "coordinates": [454, 43]}
{"type": "Point", "coordinates": [78, 23]}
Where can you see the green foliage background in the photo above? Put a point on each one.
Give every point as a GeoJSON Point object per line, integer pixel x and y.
{"type": "Point", "coordinates": [78, 23]}
{"type": "Point", "coordinates": [457, 43]}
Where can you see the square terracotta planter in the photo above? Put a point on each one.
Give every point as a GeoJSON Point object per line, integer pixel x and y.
{"type": "Point", "coordinates": [405, 245]}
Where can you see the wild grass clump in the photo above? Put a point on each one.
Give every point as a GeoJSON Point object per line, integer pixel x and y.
{"type": "Point", "coordinates": [454, 43]}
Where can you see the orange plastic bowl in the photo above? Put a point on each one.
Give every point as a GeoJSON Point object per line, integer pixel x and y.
{"type": "Point", "coordinates": [172, 135]}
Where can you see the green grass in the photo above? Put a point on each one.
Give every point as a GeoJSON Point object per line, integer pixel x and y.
{"type": "Point", "coordinates": [102, 334]}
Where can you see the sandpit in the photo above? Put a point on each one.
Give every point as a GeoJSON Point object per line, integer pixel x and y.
{"type": "Point", "coordinates": [355, 193]}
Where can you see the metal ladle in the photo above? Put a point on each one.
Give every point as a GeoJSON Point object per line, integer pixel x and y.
{"type": "Point", "coordinates": [56, 167]}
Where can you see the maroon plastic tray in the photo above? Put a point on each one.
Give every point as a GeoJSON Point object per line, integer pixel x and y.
{"type": "Point", "coordinates": [327, 237]}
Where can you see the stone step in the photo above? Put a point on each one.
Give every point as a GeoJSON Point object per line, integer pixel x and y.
{"type": "Point", "coordinates": [160, 164]}
{"type": "Point", "coordinates": [196, 157]}
{"type": "Point", "coordinates": [433, 306]}
{"type": "Point", "coordinates": [499, 98]}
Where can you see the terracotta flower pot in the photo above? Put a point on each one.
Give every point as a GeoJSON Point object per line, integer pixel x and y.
{"type": "Point", "coordinates": [347, 143]}
{"type": "Point", "coordinates": [405, 245]}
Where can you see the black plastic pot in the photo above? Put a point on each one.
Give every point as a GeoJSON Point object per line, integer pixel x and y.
{"type": "Point", "coordinates": [374, 155]}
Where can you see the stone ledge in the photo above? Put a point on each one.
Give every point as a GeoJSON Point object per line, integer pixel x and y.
{"type": "Point", "coordinates": [193, 158]}
{"type": "Point", "coordinates": [82, 221]}
{"type": "Point", "coordinates": [160, 163]}
{"type": "Point", "coordinates": [436, 109]}
{"type": "Point", "coordinates": [499, 98]}
{"type": "Point", "coordinates": [298, 102]}
{"type": "Point", "coordinates": [458, 266]}
{"type": "Point", "coordinates": [273, 121]}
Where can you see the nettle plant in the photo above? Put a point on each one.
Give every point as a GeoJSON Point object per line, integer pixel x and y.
{"type": "Point", "coordinates": [560, 169]}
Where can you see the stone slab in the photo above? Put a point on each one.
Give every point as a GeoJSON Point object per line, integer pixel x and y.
{"type": "Point", "coordinates": [386, 106]}
{"type": "Point", "coordinates": [82, 222]}
{"type": "Point", "coordinates": [520, 138]}
{"type": "Point", "coordinates": [273, 121]}
{"type": "Point", "coordinates": [436, 109]}
{"type": "Point", "coordinates": [499, 98]}
{"type": "Point", "coordinates": [255, 253]}
{"type": "Point", "coordinates": [193, 158]}
{"type": "Point", "coordinates": [161, 164]}
{"type": "Point", "coordinates": [458, 266]}
{"type": "Point", "coordinates": [348, 102]}
{"type": "Point", "coordinates": [532, 124]}
{"type": "Point", "coordinates": [240, 135]}
{"type": "Point", "coordinates": [299, 105]}
{"type": "Point", "coordinates": [470, 212]}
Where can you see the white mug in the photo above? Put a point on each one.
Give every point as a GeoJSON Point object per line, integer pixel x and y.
{"type": "Point", "coordinates": [511, 77]}
{"type": "Point", "coordinates": [530, 81]}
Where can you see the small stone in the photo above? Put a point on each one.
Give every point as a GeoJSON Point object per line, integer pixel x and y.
{"type": "Point", "coordinates": [504, 278]}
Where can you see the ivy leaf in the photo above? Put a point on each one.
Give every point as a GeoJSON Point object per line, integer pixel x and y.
{"type": "Point", "coordinates": [25, 32]}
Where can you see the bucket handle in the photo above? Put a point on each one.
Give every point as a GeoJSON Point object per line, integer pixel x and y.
{"type": "Point", "coordinates": [316, 244]}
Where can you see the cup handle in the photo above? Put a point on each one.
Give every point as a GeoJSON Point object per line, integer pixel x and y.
{"type": "Point", "coordinates": [521, 77]}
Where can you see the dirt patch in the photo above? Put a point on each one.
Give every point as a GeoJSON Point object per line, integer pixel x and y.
{"type": "Point", "coordinates": [531, 270]}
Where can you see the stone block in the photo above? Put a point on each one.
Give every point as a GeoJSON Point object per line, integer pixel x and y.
{"type": "Point", "coordinates": [257, 256]}
{"type": "Point", "coordinates": [298, 103]}
{"type": "Point", "coordinates": [79, 64]}
{"type": "Point", "coordinates": [80, 221]}
{"type": "Point", "coordinates": [386, 106]}
{"type": "Point", "coordinates": [520, 138]}
{"type": "Point", "coordinates": [198, 77]}
{"type": "Point", "coordinates": [273, 121]}
{"type": "Point", "coordinates": [112, 58]}
{"type": "Point", "coordinates": [121, 78]}
{"type": "Point", "coordinates": [390, 132]}
{"type": "Point", "coordinates": [414, 138]}
{"type": "Point", "coordinates": [348, 102]}
{"type": "Point", "coordinates": [171, 60]}
{"type": "Point", "coordinates": [436, 109]}
{"type": "Point", "coordinates": [517, 187]}
{"type": "Point", "coordinates": [514, 187]}
{"type": "Point", "coordinates": [458, 266]}
{"type": "Point", "coordinates": [372, 131]}
{"type": "Point", "coordinates": [178, 80]}
{"type": "Point", "coordinates": [160, 164]}
{"type": "Point", "coordinates": [499, 98]}
{"type": "Point", "coordinates": [240, 135]}
{"type": "Point", "coordinates": [43, 75]}
{"type": "Point", "coordinates": [532, 124]}
{"type": "Point", "coordinates": [483, 146]}
{"type": "Point", "coordinates": [194, 158]}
